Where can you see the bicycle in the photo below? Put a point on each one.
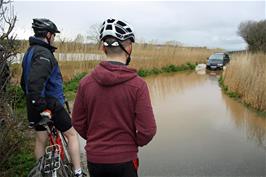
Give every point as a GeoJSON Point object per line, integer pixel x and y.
{"type": "Point", "coordinates": [56, 160]}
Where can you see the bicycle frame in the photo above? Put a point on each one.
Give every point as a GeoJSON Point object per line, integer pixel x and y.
{"type": "Point", "coordinates": [56, 161]}
{"type": "Point", "coordinates": [55, 138]}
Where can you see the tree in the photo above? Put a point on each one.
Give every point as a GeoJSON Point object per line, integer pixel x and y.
{"type": "Point", "coordinates": [79, 39]}
{"type": "Point", "coordinates": [94, 33]}
{"type": "Point", "coordinates": [254, 33]}
{"type": "Point", "coordinates": [7, 40]}
{"type": "Point", "coordinates": [10, 136]}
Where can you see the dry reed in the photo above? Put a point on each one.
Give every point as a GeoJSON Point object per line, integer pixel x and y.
{"type": "Point", "coordinates": [246, 76]}
{"type": "Point", "coordinates": [144, 56]}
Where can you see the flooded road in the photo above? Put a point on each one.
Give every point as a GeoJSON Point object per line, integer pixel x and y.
{"type": "Point", "coordinates": [201, 131]}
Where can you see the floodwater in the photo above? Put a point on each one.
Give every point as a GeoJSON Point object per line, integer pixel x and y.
{"type": "Point", "coordinates": [201, 131]}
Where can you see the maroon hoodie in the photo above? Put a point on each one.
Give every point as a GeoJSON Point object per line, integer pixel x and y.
{"type": "Point", "coordinates": [113, 112]}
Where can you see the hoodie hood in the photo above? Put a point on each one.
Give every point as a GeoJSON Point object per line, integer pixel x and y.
{"type": "Point", "coordinates": [108, 74]}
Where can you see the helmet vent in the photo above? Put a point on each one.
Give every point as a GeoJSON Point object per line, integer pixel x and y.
{"type": "Point", "coordinates": [121, 23]}
{"type": "Point", "coordinates": [129, 30]}
{"type": "Point", "coordinates": [118, 35]}
{"type": "Point", "coordinates": [110, 20]}
{"type": "Point", "coordinates": [101, 30]}
{"type": "Point", "coordinates": [119, 30]}
{"type": "Point", "coordinates": [108, 27]}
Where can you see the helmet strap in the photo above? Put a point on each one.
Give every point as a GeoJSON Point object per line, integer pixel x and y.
{"type": "Point", "coordinates": [128, 60]}
{"type": "Point", "coordinates": [123, 48]}
{"type": "Point", "coordinates": [48, 39]}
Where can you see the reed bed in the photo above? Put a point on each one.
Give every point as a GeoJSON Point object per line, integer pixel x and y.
{"type": "Point", "coordinates": [246, 76]}
{"type": "Point", "coordinates": [154, 56]}
{"type": "Point", "coordinates": [144, 56]}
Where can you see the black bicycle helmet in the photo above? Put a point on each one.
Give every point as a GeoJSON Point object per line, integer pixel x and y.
{"type": "Point", "coordinates": [43, 24]}
{"type": "Point", "coordinates": [118, 29]}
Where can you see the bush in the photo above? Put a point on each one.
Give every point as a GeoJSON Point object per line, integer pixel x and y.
{"type": "Point", "coordinates": [12, 141]}
{"type": "Point", "coordinates": [16, 97]}
{"type": "Point", "coordinates": [254, 33]}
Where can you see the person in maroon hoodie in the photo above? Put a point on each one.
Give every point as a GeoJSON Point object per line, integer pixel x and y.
{"type": "Point", "coordinates": [112, 109]}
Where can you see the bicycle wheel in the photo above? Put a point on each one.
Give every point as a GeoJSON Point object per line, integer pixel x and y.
{"type": "Point", "coordinates": [65, 148]}
{"type": "Point", "coordinates": [65, 170]}
{"type": "Point", "coordinates": [35, 171]}
{"type": "Point", "coordinates": [66, 162]}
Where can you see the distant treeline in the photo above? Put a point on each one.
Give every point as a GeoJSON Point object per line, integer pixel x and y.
{"type": "Point", "coordinates": [74, 46]}
{"type": "Point", "coordinates": [237, 51]}
{"type": "Point", "coordinates": [66, 47]}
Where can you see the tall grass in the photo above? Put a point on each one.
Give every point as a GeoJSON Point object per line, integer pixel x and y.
{"type": "Point", "coordinates": [70, 69]}
{"type": "Point", "coordinates": [144, 57]}
{"type": "Point", "coordinates": [246, 76]}
{"type": "Point", "coordinates": [150, 56]}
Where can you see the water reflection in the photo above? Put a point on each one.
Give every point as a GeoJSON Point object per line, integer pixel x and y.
{"type": "Point", "coordinates": [164, 85]}
{"type": "Point", "coordinates": [252, 125]}
{"type": "Point", "coordinates": [214, 72]}
{"type": "Point", "coordinates": [248, 121]}
{"type": "Point", "coordinates": [197, 130]}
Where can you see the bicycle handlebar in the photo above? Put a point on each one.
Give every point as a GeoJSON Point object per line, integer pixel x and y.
{"type": "Point", "coordinates": [43, 122]}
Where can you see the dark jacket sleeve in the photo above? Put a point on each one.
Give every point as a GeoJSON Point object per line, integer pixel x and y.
{"type": "Point", "coordinates": [79, 114]}
{"type": "Point", "coordinates": [40, 71]}
{"type": "Point", "coordinates": [22, 83]}
{"type": "Point", "coordinates": [145, 121]}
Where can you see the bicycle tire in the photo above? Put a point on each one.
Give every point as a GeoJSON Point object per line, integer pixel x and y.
{"type": "Point", "coordinates": [64, 146]}
{"type": "Point", "coordinates": [65, 170]}
{"type": "Point", "coordinates": [35, 172]}
{"type": "Point", "coordinates": [67, 161]}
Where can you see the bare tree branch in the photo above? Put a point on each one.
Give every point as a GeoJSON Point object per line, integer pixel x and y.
{"type": "Point", "coordinates": [94, 33]}
{"type": "Point", "coordinates": [7, 40]}
{"type": "Point", "coordinates": [254, 33]}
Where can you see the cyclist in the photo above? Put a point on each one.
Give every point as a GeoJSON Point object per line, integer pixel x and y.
{"type": "Point", "coordinates": [112, 110]}
{"type": "Point", "coordinates": [43, 86]}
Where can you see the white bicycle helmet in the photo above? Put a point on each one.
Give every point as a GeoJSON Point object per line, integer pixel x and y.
{"type": "Point", "coordinates": [118, 29]}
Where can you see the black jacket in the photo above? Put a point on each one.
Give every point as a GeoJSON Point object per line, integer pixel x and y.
{"type": "Point", "coordinates": [41, 77]}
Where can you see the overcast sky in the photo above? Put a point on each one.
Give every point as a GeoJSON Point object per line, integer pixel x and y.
{"type": "Point", "coordinates": [193, 23]}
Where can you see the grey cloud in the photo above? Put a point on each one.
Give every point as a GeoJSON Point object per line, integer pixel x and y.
{"type": "Point", "coordinates": [211, 24]}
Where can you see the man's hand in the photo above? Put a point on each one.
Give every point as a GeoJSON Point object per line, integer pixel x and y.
{"type": "Point", "coordinates": [46, 113]}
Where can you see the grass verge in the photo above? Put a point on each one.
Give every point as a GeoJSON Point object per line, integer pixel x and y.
{"type": "Point", "coordinates": [236, 96]}
{"type": "Point", "coordinates": [20, 163]}
{"type": "Point", "coordinates": [165, 69]}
